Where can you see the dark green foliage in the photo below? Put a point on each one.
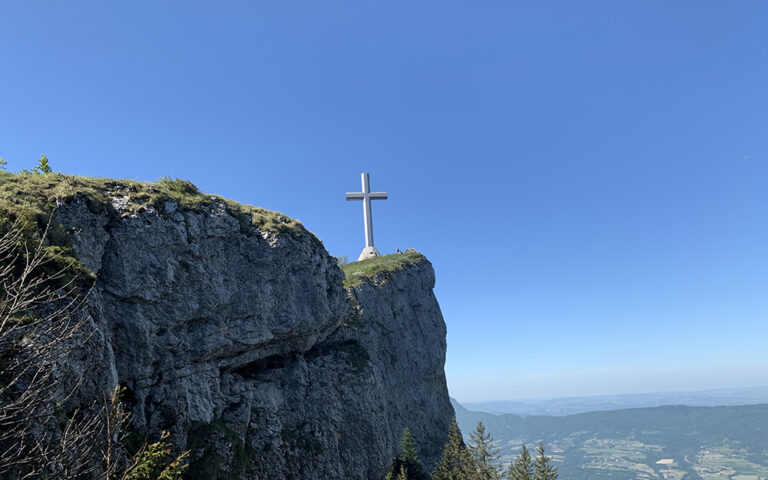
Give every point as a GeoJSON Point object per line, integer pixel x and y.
{"type": "Point", "coordinates": [456, 463]}
{"type": "Point", "coordinates": [60, 268]}
{"type": "Point", "coordinates": [208, 466]}
{"type": "Point", "coordinates": [155, 462]}
{"type": "Point", "coordinates": [521, 468]}
{"type": "Point", "coordinates": [169, 417]}
{"type": "Point", "coordinates": [408, 450]}
{"type": "Point", "coordinates": [484, 454]}
{"type": "Point", "coordinates": [133, 440]}
{"type": "Point", "coordinates": [406, 464]}
{"type": "Point", "coordinates": [402, 474]}
{"type": "Point", "coordinates": [542, 467]}
{"type": "Point", "coordinates": [147, 461]}
{"type": "Point", "coordinates": [398, 466]}
{"type": "Point", "coordinates": [3, 164]}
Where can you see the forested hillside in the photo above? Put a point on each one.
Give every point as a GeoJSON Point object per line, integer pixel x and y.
{"type": "Point", "coordinates": [690, 442]}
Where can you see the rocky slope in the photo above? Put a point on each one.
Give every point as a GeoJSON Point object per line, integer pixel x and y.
{"type": "Point", "coordinates": [242, 341]}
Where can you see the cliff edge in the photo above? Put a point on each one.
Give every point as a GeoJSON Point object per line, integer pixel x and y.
{"type": "Point", "coordinates": [240, 338]}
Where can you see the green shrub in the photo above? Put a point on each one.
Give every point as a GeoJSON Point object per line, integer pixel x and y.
{"type": "Point", "coordinates": [208, 467]}
{"type": "Point", "coordinates": [178, 185]}
{"type": "Point", "coordinates": [155, 462]}
{"type": "Point", "coordinates": [42, 168]}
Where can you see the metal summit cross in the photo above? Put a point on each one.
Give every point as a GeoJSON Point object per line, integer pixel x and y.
{"type": "Point", "coordinates": [366, 196]}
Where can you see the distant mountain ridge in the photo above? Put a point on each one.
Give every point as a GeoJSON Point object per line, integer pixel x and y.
{"type": "Point", "coordinates": [690, 442]}
{"type": "Point", "coordinates": [572, 405]}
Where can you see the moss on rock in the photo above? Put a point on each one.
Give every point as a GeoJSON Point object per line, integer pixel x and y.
{"type": "Point", "coordinates": [31, 198]}
{"type": "Point", "coordinates": [208, 466]}
{"type": "Point", "coordinates": [358, 272]}
{"type": "Point", "coordinates": [38, 194]}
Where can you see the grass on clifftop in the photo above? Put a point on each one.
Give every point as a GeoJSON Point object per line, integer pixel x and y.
{"type": "Point", "coordinates": [24, 195]}
{"type": "Point", "coordinates": [357, 272]}
{"type": "Point", "coordinates": [30, 199]}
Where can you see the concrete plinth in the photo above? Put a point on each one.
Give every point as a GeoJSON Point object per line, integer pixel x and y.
{"type": "Point", "coordinates": [368, 252]}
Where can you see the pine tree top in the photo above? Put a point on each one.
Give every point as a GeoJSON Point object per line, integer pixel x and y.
{"type": "Point", "coordinates": [408, 450]}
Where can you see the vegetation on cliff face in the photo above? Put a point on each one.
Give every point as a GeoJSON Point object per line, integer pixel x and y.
{"type": "Point", "coordinates": [44, 433]}
{"type": "Point", "coordinates": [208, 461]}
{"type": "Point", "coordinates": [406, 465]}
{"type": "Point", "coordinates": [358, 272]}
{"type": "Point", "coordinates": [30, 194]}
{"type": "Point", "coordinates": [30, 197]}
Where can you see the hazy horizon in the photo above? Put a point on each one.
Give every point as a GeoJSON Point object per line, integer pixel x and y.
{"type": "Point", "coordinates": [761, 388]}
{"type": "Point", "coordinates": [591, 384]}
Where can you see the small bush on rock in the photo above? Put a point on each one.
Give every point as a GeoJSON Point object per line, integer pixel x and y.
{"type": "Point", "coordinates": [42, 168]}
{"type": "Point", "coordinates": [179, 185]}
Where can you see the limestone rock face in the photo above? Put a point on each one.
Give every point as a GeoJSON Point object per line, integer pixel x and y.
{"type": "Point", "coordinates": [245, 345]}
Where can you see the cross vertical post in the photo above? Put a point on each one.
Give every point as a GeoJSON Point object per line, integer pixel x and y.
{"type": "Point", "coordinates": [366, 196]}
{"type": "Point", "coordinates": [366, 180]}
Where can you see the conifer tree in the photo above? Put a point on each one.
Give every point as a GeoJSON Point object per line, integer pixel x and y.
{"type": "Point", "coordinates": [408, 447]}
{"type": "Point", "coordinates": [542, 467]}
{"type": "Point", "coordinates": [407, 460]}
{"type": "Point", "coordinates": [484, 454]}
{"type": "Point", "coordinates": [42, 166]}
{"type": "Point", "coordinates": [456, 462]}
{"type": "Point", "coordinates": [521, 469]}
{"type": "Point", "coordinates": [403, 475]}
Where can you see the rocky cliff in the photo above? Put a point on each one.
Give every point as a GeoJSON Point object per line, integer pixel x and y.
{"type": "Point", "coordinates": [240, 339]}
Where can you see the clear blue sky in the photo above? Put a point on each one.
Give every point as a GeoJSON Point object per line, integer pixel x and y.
{"type": "Point", "coordinates": [589, 179]}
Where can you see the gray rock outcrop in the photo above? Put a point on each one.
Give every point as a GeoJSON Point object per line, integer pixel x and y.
{"type": "Point", "coordinates": [245, 345]}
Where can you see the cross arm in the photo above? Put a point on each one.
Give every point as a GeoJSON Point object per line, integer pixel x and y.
{"type": "Point", "coordinates": [378, 195]}
{"type": "Point", "coordinates": [355, 196]}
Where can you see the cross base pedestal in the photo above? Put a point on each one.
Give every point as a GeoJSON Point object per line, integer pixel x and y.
{"type": "Point", "coordinates": [368, 252]}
